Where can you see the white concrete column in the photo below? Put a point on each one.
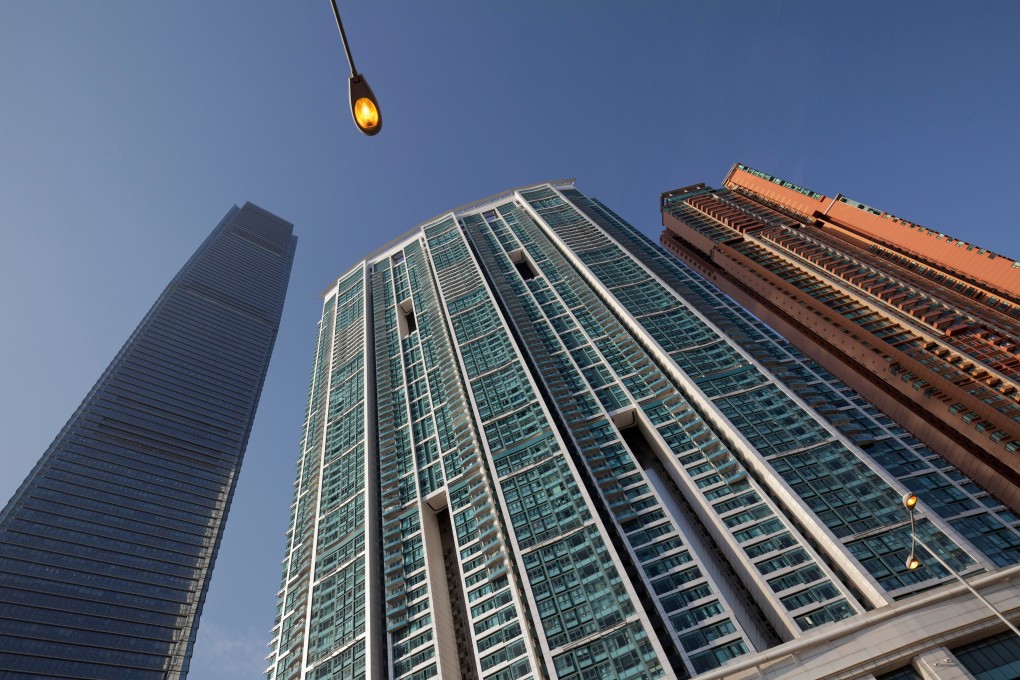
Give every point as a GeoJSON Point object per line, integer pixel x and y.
{"type": "Point", "coordinates": [940, 664]}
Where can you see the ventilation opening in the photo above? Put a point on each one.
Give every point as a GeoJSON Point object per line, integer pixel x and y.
{"type": "Point", "coordinates": [525, 267]}
{"type": "Point", "coordinates": [449, 610]}
{"type": "Point", "coordinates": [638, 438]}
{"type": "Point", "coordinates": [405, 318]}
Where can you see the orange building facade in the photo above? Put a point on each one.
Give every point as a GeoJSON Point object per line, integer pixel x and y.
{"type": "Point", "coordinates": [923, 325]}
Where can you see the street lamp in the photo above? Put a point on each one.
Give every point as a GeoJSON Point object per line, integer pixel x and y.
{"type": "Point", "coordinates": [364, 105]}
{"type": "Point", "coordinates": [910, 502]}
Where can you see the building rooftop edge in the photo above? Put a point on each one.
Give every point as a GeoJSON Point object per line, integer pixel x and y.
{"type": "Point", "coordinates": [459, 210]}
{"type": "Point", "coordinates": [928, 231]}
{"type": "Point", "coordinates": [249, 204]}
{"type": "Point", "coordinates": [987, 252]}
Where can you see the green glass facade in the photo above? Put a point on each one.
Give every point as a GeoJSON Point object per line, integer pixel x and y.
{"type": "Point", "coordinates": [538, 447]}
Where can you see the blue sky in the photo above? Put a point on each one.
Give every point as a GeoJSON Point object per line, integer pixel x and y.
{"type": "Point", "coordinates": [128, 129]}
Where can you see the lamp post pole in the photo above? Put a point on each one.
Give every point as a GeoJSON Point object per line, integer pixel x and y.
{"type": "Point", "coordinates": [343, 37]}
{"type": "Point", "coordinates": [910, 501]}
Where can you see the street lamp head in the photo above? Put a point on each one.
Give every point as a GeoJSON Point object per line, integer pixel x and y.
{"type": "Point", "coordinates": [912, 562]}
{"type": "Point", "coordinates": [909, 501]}
{"type": "Point", "coordinates": [364, 106]}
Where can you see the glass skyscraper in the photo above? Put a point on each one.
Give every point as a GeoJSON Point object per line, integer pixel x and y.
{"type": "Point", "coordinates": [107, 547]}
{"type": "Point", "coordinates": [538, 446]}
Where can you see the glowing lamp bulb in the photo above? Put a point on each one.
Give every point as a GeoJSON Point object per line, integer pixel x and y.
{"type": "Point", "coordinates": [909, 501]}
{"type": "Point", "coordinates": [913, 563]}
{"type": "Point", "coordinates": [366, 114]}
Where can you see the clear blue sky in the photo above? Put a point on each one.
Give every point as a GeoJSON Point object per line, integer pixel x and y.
{"type": "Point", "coordinates": [127, 129]}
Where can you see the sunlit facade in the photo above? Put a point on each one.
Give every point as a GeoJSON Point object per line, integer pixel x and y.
{"type": "Point", "coordinates": [924, 325]}
{"type": "Point", "coordinates": [538, 446]}
{"type": "Point", "coordinates": [107, 548]}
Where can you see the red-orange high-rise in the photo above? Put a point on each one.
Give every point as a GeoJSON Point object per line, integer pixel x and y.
{"type": "Point", "coordinates": [920, 323]}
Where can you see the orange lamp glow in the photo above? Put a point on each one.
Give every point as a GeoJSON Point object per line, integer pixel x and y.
{"type": "Point", "coordinates": [366, 115]}
{"type": "Point", "coordinates": [909, 501]}
{"type": "Point", "coordinates": [913, 563]}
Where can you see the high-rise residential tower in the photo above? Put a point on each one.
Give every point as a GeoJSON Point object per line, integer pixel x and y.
{"type": "Point", "coordinates": [924, 325]}
{"type": "Point", "coordinates": [107, 547]}
{"type": "Point", "coordinates": [538, 446]}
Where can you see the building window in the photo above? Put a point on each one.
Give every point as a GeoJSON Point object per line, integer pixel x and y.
{"type": "Point", "coordinates": [994, 657]}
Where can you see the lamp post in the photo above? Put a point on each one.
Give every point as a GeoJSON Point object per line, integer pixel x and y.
{"type": "Point", "coordinates": [364, 105]}
{"type": "Point", "coordinates": [910, 502]}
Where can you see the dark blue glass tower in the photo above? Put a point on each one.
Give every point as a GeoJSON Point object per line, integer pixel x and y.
{"type": "Point", "coordinates": [107, 547]}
